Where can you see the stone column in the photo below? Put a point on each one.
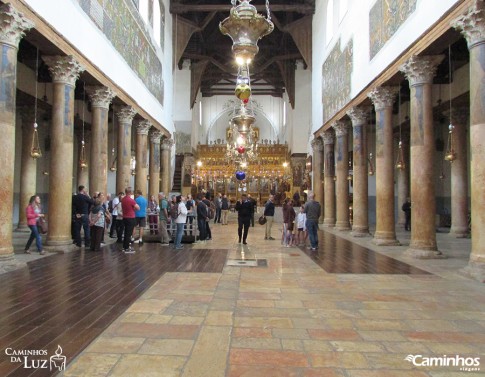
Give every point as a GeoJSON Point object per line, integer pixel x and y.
{"type": "Point", "coordinates": [317, 166]}
{"type": "Point", "coordinates": [403, 180]}
{"type": "Point", "coordinates": [83, 174]}
{"type": "Point", "coordinates": [154, 184]}
{"type": "Point", "coordinates": [472, 25]}
{"type": "Point", "coordinates": [12, 28]}
{"type": "Point", "coordinates": [459, 174]}
{"type": "Point", "coordinates": [141, 181]}
{"type": "Point", "coordinates": [64, 71]}
{"type": "Point", "coordinates": [166, 147]}
{"type": "Point", "coordinates": [360, 205]}
{"type": "Point", "coordinates": [28, 166]}
{"type": "Point", "coordinates": [123, 174]}
{"type": "Point", "coordinates": [342, 135]}
{"type": "Point", "coordinates": [383, 98]}
{"type": "Point", "coordinates": [329, 173]}
{"type": "Point", "coordinates": [419, 70]}
{"type": "Point", "coordinates": [101, 98]}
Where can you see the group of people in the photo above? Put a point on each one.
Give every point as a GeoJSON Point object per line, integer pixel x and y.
{"type": "Point", "coordinates": [306, 222]}
{"type": "Point", "coordinates": [126, 211]}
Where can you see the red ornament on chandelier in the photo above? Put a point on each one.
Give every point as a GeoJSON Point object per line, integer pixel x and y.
{"type": "Point", "coordinates": [241, 149]}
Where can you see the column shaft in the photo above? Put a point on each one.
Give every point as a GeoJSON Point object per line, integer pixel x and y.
{"type": "Point", "coordinates": [329, 173]}
{"type": "Point", "coordinates": [385, 234]}
{"type": "Point", "coordinates": [472, 25]}
{"type": "Point", "coordinates": [317, 166]}
{"type": "Point", "coordinates": [155, 163]}
{"type": "Point", "coordinates": [420, 72]}
{"type": "Point", "coordinates": [166, 147]}
{"type": "Point", "coordinates": [360, 203]}
{"type": "Point", "coordinates": [342, 190]}
{"type": "Point", "coordinates": [12, 26]}
{"type": "Point", "coordinates": [141, 181]}
{"type": "Point", "coordinates": [123, 173]}
{"type": "Point", "coordinates": [64, 71]}
{"type": "Point", "coordinates": [98, 170]}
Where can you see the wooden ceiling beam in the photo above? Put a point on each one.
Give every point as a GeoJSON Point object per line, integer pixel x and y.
{"type": "Point", "coordinates": [179, 8]}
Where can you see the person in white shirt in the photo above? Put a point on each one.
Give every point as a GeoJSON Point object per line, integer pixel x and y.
{"type": "Point", "coordinates": [180, 221]}
{"type": "Point", "coordinates": [114, 215]}
{"type": "Point", "coordinates": [300, 225]}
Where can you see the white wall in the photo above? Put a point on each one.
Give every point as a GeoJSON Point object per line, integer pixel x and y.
{"type": "Point", "coordinates": [67, 17]}
{"type": "Point", "coordinates": [355, 25]}
{"type": "Point", "coordinates": [301, 117]}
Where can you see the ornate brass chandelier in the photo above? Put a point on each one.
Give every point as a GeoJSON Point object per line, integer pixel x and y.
{"type": "Point", "coordinates": [245, 27]}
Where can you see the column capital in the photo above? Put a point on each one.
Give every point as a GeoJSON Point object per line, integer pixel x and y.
{"type": "Point", "coordinates": [143, 127]}
{"type": "Point", "coordinates": [341, 128]}
{"type": "Point", "coordinates": [126, 114]}
{"type": "Point", "coordinates": [155, 136]}
{"type": "Point", "coordinates": [167, 144]}
{"type": "Point", "coordinates": [64, 69]}
{"type": "Point", "coordinates": [317, 145]}
{"type": "Point", "coordinates": [458, 115]}
{"type": "Point", "coordinates": [472, 24]}
{"type": "Point", "coordinates": [383, 96]}
{"type": "Point", "coordinates": [100, 96]}
{"type": "Point", "coordinates": [13, 25]}
{"type": "Point", "coordinates": [358, 115]}
{"type": "Point", "coordinates": [420, 70]}
{"type": "Point", "coordinates": [328, 137]}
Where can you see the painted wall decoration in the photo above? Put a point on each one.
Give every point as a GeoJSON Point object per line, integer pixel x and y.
{"type": "Point", "coordinates": [336, 75]}
{"type": "Point", "coordinates": [121, 23]}
{"type": "Point", "coordinates": [385, 18]}
{"type": "Point", "coordinates": [182, 142]}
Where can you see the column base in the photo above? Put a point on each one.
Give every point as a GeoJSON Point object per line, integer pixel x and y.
{"type": "Point", "coordinates": [459, 232]}
{"type": "Point", "coordinates": [474, 270]}
{"type": "Point", "coordinates": [360, 231]}
{"type": "Point", "coordinates": [386, 242]}
{"type": "Point", "coordinates": [424, 253]}
{"type": "Point", "coordinates": [329, 223]}
{"type": "Point", "coordinates": [59, 246]}
{"type": "Point", "coordinates": [22, 228]}
{"type": "Point", "coordinates": [342, 225]}
{"type": "Point", "coordinates": [8, 264]}
{"type": "Point", "coordinates": [385, 239]}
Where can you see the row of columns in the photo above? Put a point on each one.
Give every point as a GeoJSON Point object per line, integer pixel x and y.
{"type": "Point", "coordinates": [419, 71]}
{"type": "Point", "coordinates": [65, 70]}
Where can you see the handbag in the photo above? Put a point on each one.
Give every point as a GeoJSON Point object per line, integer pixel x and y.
{"type": "Point", "coordinates": [43, 227]}
{"type": "Point", "coordinates": [262, 220]}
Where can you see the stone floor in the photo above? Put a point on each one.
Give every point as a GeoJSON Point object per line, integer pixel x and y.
{"type": "Point", "coordinates": [292, 318]}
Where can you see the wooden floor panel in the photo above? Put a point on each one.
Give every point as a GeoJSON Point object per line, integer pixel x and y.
{"type": "Point", "coordinates": [340, 256]}
{"type": "Point", "coordinates": [70, 299]}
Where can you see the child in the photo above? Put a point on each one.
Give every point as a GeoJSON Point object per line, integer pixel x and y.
{"type": "Point", "coordinates": [300, 225]}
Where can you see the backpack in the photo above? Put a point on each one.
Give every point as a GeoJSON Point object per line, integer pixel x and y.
{"type": "Point", "coordinates": [174, 210]}
{"type": "Point", "coordinates": [211, 210]}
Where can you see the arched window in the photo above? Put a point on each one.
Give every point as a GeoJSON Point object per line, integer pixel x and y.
{"type": "Point", "coordinates": [153, 13]}
{"type": "Point", "coordinates": [329, 30]}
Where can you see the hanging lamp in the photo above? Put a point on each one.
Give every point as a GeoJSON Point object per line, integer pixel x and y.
{"type": "Point", "coordinates": [370, 169]}
{"type": "Point", "coordinates": [400, 164]}
{"type": "Point", "coordinates": [83, 162]}
{"type": "Point", "coordinates": [450, 154]}
{"type": "Point", "coordinates": [114, 158]}
{"type": "Point", "coordinates": [35, 151]}
{"type": "Point", "coordinates": [245, 26]}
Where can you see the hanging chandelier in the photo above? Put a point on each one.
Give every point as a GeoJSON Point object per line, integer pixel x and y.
{"type": "Point", "coordinates": [450, 154]}
{"type": "Point", "coordinates": [246, 27]}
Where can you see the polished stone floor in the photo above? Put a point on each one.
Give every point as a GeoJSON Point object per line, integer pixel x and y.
{"type": "Point", "coordinates": [292, 316]}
